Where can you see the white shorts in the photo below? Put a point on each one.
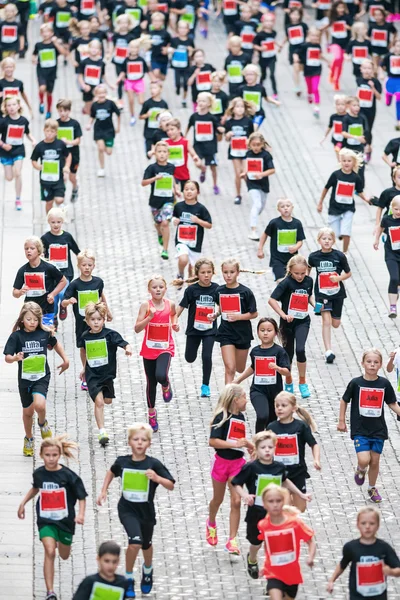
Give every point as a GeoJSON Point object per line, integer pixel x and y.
{"type": "Point", "coordinates": [341, 224]}
{"type": "Point", "coordinates": [183, 249]}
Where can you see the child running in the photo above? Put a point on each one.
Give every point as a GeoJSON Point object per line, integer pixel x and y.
{"type": "Point", "coordinates": [390, 225]}
{"type": "Point", "coordinates": [140, 476]}
{"type": "Point", "coordinates": [367, 555]}
{"type": "Point", "coordinates": [336, 123]}
{"type": "Point", "coordinates": [59, 489]}
{"type": "Point", "coordinates": [310, 56]}
{"type": "Point", "coordinates": [101, 114]}
{"type": "Point", "coordinates": [332, 269]}
{"type": "Point", "coordinates": [294, 293]}
{"type": "Point", "coordinates": [28, 345]}
{"type": "Point", "coordinates": [359, 47]}
{"type": "Point", "coordinates": [70, 132]}
{"type": "Point", "coordinates": [228, 438]}
{"type": "Point", "coordinates": [106, 580]}
{"type": "Point", "coordinates": [44, 56]}
{"type": "Point", "coordinates": [134, 70]}
{"type": "Point", "coordinates": [368, 428]}
{"type": "Point", "coordinates": [269, 363]}
{"type": "Point", "coordinates": [157, 317]}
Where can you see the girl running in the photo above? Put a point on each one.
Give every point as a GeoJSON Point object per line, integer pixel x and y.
{"type": "Point", "coordinates": [310, 56]}
{"type": "Point", "coordinates": [382, 35]}
{"type": "Point", "coordinates": [336, 123]}
{"type": "Point", "coordinates": [359, 47]}
{"type": "Point", "coordinates": [296, 32]}
{"type": "Point", "coordinates": [9, 85]}
{"type": "Point", "coordinates": [59, 489]}
{"type": "Point", "coordinates": [293, 436]}
{"type": "Point", "coordinates": [235, 62]}
{"type": "Point", "coordinates": [118, 49]}
{"type": "Point", "coordinates": [237, 306]}
{"type": "Point", "coordinates": [369, 90]}
{"type": "Point", "coordinates": [269, 363]}
{"type": "Point", "coordinates": [253, 91]}
{"type": "Point", "coordinates": [387, 196]}
{"type": "Point", "coordinates": [340, 22]}
{"type": "Point", "coordinates": [133, 71]}
{"type": "Point", "coordinates": [91, 73]}
{"type": "Point", "coordinates": [390, 225]}
{"type": "Point", "coordinates": [104, 132]}
{"type": "Point", "coordinates": [199, 298]}
{"type": "Point", "coordinates": [391, 65]}
{"type": "Point", "coordinates": [228, 438]}
{"type": "Point", "coordinates": [332, 269]}
{"type": "Point", "coordinates": [178, 152]}
{"type": "Point", "coordinates": [294, 293]}
{"type": "Point", "coordinates": [157, 317]}
{"type": "Point", "coordinates": [199, 75]}
{"type": "Point", "coordinates": [266, 45]}
{"type": "Point", "coordinates": [368, 428]}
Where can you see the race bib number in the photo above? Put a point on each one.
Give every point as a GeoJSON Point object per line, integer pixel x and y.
{"type": "Point", "coordinates": [366, 97]}
{"type": "Point", "coordinates": [395, 65]}
{"type": "Point", "coordinates": [285, 239]}
{"type": "Point", "coordinates": [188, 18]}
{"type": "Point", "coordinates": [287, 449]}
{"type": "Point", "coordinates": [295, 35]}
{"type": "Point", "coordinates": [87, 7]}
{"type": "Point", "coordinates": [313, 57]}
{"type": "Point", "coordinates": [50, 170]}
{"type": "Point", "coordinates": [176, 155]}
{"type": "Point", "coordinates": [187, 234]}
{"type": "Point", "coordinates": [236, 431]}
{"type": "Point", "coordinates": [394, 234]}
{"type": "Point", "coordinates": [180, 59]}
{"type": "Point", "coordinates": [230, 8]}
{"type": "Point", "coordinates": [268, 49]}
{"type": "Point", "coordinates": [15, 135]}
{"type": "Point", "coordinates": [152, 122]}
{"type": "Point", "coordinates": [326, 286]}
{"type": "Point", "coordinates": [247, 40]}
{"type": "Point", "coordinates": [120, 54]}
{"type": "Point", "coordinates": [135, 13]}
{"type": "Point", "coordinates": [239, 147]}
{"type": "Point", "coordinates": [33, 367]}
{"type": "Point", "coordinates": [371, 402]}
{"type": "Point", "coordinates": [10, 91]}
{"type": "Point", "coordinates": [254, 167]}
{"type": "Point", "coordinates": [337, 131]}
{"type": "Point", "coordinates": [92, 75]}
{"type": "Point", "coordinates": [339, 30]}
{"type": "Point", "coordinates": [324, 5]}
{"type": "Point", "coordinates": [355, 129]}
{"type": "Point", "coordinates": [9, 34]}
{"type": "Point", "coordinates": [63, 19]}
{"type": "Point", "coordinates": [298, 305]}
{"type": "Point", "coordinates": [164, 188]}
{"type": "Point", "coordinates": [201, 322]}
{"type": "Point", "coordinates": [216, 108]}
{"type": "Point", "coordinates": [135, 71]}
{"type": "Point", "coordinates": [359, 53]}
{"type": "Point", "coordinates": [204, 131]}
{"type": "Point", "coordinates": [281, 547]}
{"type": "Point", "coordinates": [379, 38]}
{"type": "Point", "coordinates": [158, 335]}
{"type": "Point", "coordinates": [53, 504]}
{"type": "Point", "coordinates": [370, 580]}
{"type": "Point", "coordinates": [203, 81]}
{"type": "Point", "coordinates": [102, 591]}
{"type": "Point", "coordinates": [254, 97]}
{"type": "Point", "coordinates": [235, 73]}
{"type": "Point", "coordinates": [84, 298]}
{"type": "Point", "coordinates": [96, 353]}
{"type": "Point", "coordinates": [263, 374]}
{"type": "Point", "coordinates": [261, 484]}
{"type": "Point", "coordinates": [47, 58]}
{"type": "Point", "coordinates": [135, 485]}
{"type": "Point", "coordinates": [58, 255]}
{"type": "Point", "coordinates": [35, 282]}
{"type": "Point", "coordinates": [229, 303]}
{"type": "Point", "coordinates": [66, 133]}
{"type": "Point", "coordinates": [344, 192]}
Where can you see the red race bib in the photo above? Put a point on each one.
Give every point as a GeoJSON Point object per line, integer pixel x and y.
{"type": "Point", "coordinates": [92, 75]}
{"type": "Point", "coordinates": [229, 303]}
{"type": "Point", "coordinates": [313, 57]}
{"type": "Point", "coordinates": [298, 305]}
{"type": "Point", "coordinates": [203, 81]}
{"type": "Point", "coordinates": [204, 131]}
{"type": "Point", "coordinates": [326, 285]}
{"type": "Point", "coordinates": [237, 429]}
{"type": "Point", "coordinates": [15, 135]}
{"type": "Point", "coordinates": [187, 234]}
{"type": "Point", "coordinates": [263, 375]}
{"type": "Point", "coordinates": [281, 547]}
{"type": "Point", "coordinates": [394, 234]}
{"type": "Point", "coordinates": [254, 167]}
{"type": "Point", "coordinates": [158, 336]}
{"type": "Point", "coordinates": [344, 192]}
{"type": "Point", "coordinates": [58, 255]}
{"type": "Point", "coordinates": [370, 580]}
{"type": "Point", "coordinates": [371, 402]}
{"type": "Point", "coordinates": [135, 71]}
{"type": "Point", "coordinates": [365, 97]}
{"type": "Point", "coordinates": [287, 449]}
{"type": "Point", "coordinates": [359, 54]}
{"type": "Point", "coordinates": [296, 35]}
{"type": "Point", "coordinates": [230, 8]}
{"type": "Point", "coordinates": [201, 321]}
{"type": "Point", "coordinates": [53, 504]}
{"type": "Point", "coordinates": [36, 284]}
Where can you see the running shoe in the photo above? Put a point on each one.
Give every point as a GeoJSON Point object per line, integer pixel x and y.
{"type": "Point", "coordinates": [238, 200]}
{"type": "Point", "coordinates": [289, 387]}
{"type": "Point", "coordinates": [164, 255]}
{"type": "Point", "coordinates": [184, 104]}
{"type": "Point", "coordinates": [18, 205]}
{"type": "Point", "coordinates": [205, 391]}
{"type": "Point", "coordinates": [359, 476]}
{"type": "Point", "coordinates": [202, 177]}
{"type": "Point", "coordinates": [45, 430]}
{"type": "Point", "coordinates": [392, 314]}
{"type": "Point", "coordinates": [74, 195]}
{"type": "Point", "coordinates": [374, 495]}
{"type": "Point", "coordinates": [367, 157]}
{"type": "Point", "coordinates": [304, 390]}
{"type": "Point", "coordinates": [232, 547]}
{"type": "Point", "coordinates": [216, 190]}
{"type": "Point", "coordinates": [101, 173]}
{"type": "Point", "coordinates": [48, 115]}
{"type": "Point", "coordinates": [211, 534]}
{"type": "Point", "coordinates": [41, 109]}
{"type": "Point", "coordinates": [28, 446]}
{"type": "Point", "coordinates": [316, 112]}
{"type": "Point", "coordinates": [130, 592]}
{"type": "Point", "coordinates": [63, 313]}
{"type": "Point", "coordinates": [51, 596]}
{"type": "Point", "coordinates": [147, 582]}
{"type": "Point", "coordinates": [132, 121]}
{"type": "Point", "coordinates": [153, 421]}
{"type": "Point", "coordinates": [329, 358]}
{"type": "Point", "coordinates": [252, 568]}
{"type": "Point", "coordinates": [103, 439]}
{"type": "Point", "coordinates": [167, 393]}
{"type": "Point", "coordinates": [84, 386]}
{"type": "Point", "coordinates": [253, 235]}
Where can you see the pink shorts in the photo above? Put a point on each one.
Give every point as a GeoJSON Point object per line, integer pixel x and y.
{"type": "Point", "coordinates": [134, 86]}
{"type": "Point", "coordinates": [224, 469]}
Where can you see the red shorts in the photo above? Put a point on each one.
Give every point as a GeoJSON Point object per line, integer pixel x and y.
{"type": "Point", "coordinates": [223, 470]}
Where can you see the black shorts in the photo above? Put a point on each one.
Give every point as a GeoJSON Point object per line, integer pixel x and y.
{"type": "Point", "coordinates": [48, 193]}
{"type": "Point", "coordinates": [181, 182]}
{"type": "Point", "coordinates": [277, 584]}
{"type": "Point", "coordinates": [279, 270]}
{"type": "Point", "coordinates": [49, 83]}
{"type": "Point", "coordinates": [37, 387]}
{"type": "Point", "coordinates": [138, 532]}
{"type": "Point", "coordinates": [148, 143]}
{"type": "Point", "coordinates": [74, 165]}
{"type": "Point", "coordinates": [252, 533]}
{"type": "Point", "coordinates": [335, 306]}
{"type": "Point", "coordinates": [87, 96]}
{"type": "Point", "coordinates": [209, 159]}
{"type": "Point", "coordinates": [300, 481]}
{"type": "Point", "coordinates": [107, 389]}
{"type": "Point", "coordinates": [227, 342]}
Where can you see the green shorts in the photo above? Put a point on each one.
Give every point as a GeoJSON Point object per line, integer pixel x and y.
{"type": "Point", "coordinates": [109, 143]}
{"type": "Point", "coordinates": [57, 534]}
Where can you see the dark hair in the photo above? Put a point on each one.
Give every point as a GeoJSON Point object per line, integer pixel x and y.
{"type": "Point", "coordinates": [333, 15]}
{"type": "Point", "coordinates": [195, 183]}
{"type": "Point", "coordinates": [274, 325]}
{"type": "Point", "coordinates": [298, 10]}
{"type": "Point", "coordinates": [109, 547]}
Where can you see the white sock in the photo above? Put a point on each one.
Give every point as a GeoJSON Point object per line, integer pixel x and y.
{"type": "Point", "coordinates": [328, 352]}
{"type": "Point", "coordinates": [129, 575]}
{"type": "Point", "coordinates": [147, 570]}
{"type": "Point", "coordinates": [101, 431]}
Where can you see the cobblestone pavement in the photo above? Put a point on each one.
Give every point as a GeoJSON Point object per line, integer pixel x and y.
{"type": "Point", "coordinates": [113, 218]}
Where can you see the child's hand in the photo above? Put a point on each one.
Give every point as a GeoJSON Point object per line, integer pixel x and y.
{"type": "Point", "coordinates": [310, 562]}
{"type": "Point", "coordinates": [109, 316]}
{"type": "Point", "coordinates": [391, 355]}
{"type": "Point", "coordinates": [152, 312]}
{"type": "Point", "coordinates": [73, 301]}
{"type": "Point", "coordinates": [232, 317]}
{"type": "Point", "coordinates": [19, 356]}
{"type": "Point", "coordinates": [50, 298]}
{"type": "Point", "coordinates": [128, 350]}
{"type": "Point", "coordinates": [319, 207]}
{"type": "Point", "coordinates": [63, 367]}
{"type": "Point", "coordinates": [292, 249]}
{"type": "Point", "coordinates": [86, 88]}
{"type": "Point", "coordinates": [334, 278]}
{"type": "Point", "coordinates": [7, 147]}
{"type": "Point", "coordinates": [317, 465]}
{"type": "Point", "coordinates": [330, 586]}
{"type": "Point", "coordinates": [152, 475]}
{"type": "Point", "coordinates": [306, 497]}
{"type": "Point", "coordinates": [194, 219]}
{"type": "Point", "coordinates": [101, 498]}
{"type": "Point", "coordinates": [21, 511]}
{"type": "Point", "coordinates": [82, 375]}
{"type": "Point", "coordinates": [260, 254]}
{"type": "Point", "coordinates": [65, 140]}
{"type": "Point", "coordinates": [288, 318]}
{"type": "Point", "coordinates": [273, 366]}
{"type": "Point", "coordinates": [158, 176]}
{"type": "Point", "coordinates": [249, 499]}
{"type": "Point", "coordinates": [197, 161]}
{"type": "Point", "coordinates": [212, 316]}
{"type": "Point", "coordinates": [376, 245]}
{"type": "Point", "coordinates": [80, 519]}
{"type": "Point", "coordinates": [175, 327]}
{"type": "Point", "coordinates": [341, 426]}
{"type": "Point", "coordinates": [88, 127]}
{"type": "Point", "coordinates": [176, 221]}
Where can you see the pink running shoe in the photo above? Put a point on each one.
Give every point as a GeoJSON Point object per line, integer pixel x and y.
{"type": "Point", "coordinates": [167, 393]}
{"type": "Point", "coordinates": [211, 534]}
{"type": "Point", "coordinates": [153, 421]}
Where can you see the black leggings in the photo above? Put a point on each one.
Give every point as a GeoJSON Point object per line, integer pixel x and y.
{"type": "Point", "coordinates": [119, 69]}
{"type": "Point", "coordinates": [271, 66]}
{"type": "Point", "coordinates": [192, 345]}
{"type": "Point", "coordinates": [181, 79]}
{"type": "Point", "coordinates": [394, 273]}
{"type": "Point", "coordinates": [265, 409]}
{"type": "Point", "coordinates": [156, 372]}
{"type": "Point", "coordinates": [298, 334]}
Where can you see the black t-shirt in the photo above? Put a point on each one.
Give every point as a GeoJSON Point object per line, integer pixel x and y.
{"type": "Point", "coordinates": [266, 381]}
{"type": "Point", "coordinates": [391, 64]}
{"type": "Point", "coordinates": [368, 99]}
{"type": "Point", "coordinates": [310, 56]}
{"type": "Point", "coordinates": [268, 54]}
{"type": "Point", "coordinates": [80, 46]}
{"type": "Point", "coordinates": [327, 264]}
{"type": "Point", "coordinates": [391, 227]}
{"type": "Point", "coordinates": [41, 280]}
{"type": "Point", "coordinates": [60, 17]}
{"type": "Point", "coordinates": [202, 82]}
{"type": "Point", "coordinates": [47, 60]}
{"type": "Point", "coordinates": [84, 292]}
{"type": "Point", "coordinates": [101, 355]}
{"type": "Point", "coordinates": [294, 297]}
{"type": "Point", "coordinates": [34, 346]}
{"type": "Point", "coordinates": [205, 133]}
{"type": "Point", "coordinates": [89, 587]}
{"type": "Point", "coordinates": [200, 301]}
{"type": "Point", "coordinates": [358, 51]}
{"type": "Point", "coordinates": [159, 136]}
{"type": "Point", "coordinates": [235, 300]}
{"type": "Point", "coordinates": [5, 86]}
{"type": "Point", "coordinates": [121, 40]}
{"type": "Point", "coordinates": [180, 56]}
{"type": "Point", "coordinates": [92, 71]}
{"type": "Point", "coordinates": [235, 76]}
{"type": "Point", "coordinates": [188, 233]}
{"type": "Point", "coordinates": [283, 234]}
{"type": "Point", "coordinates": [296, 34]}
{"type": "Point", "coordinates": [71, 130]}
{"type": "Point", "coordinates": [102, 112]}
{"type": "Point", "coordinates": [393, 148]}
{"type": "Point", "coordinates": [336, 124]}
{"type": "Point", "coordinates": [356, 126]}
{"type": "Point", "coordinates": [387, 196]}
{"type": "Point", "coordinates": [59, 492]}
{"type": "Point", "coordinates": [255, 94]}
{"type": "Point", "coordinates": [234, 428]}
{"type": "Point", "coordinates": [52, 156]}
{"type": "Point", "coordinates": [241, 128]}
{"type": "Point", "coordinates": [256, 475]}
{"type": "Point", "coordinates": [154, 107]}
{"type": "Point", "coordinates": [379, 36]}
{"type": "Point", "coordinates": [137, 490]}
{"type": "Point", "coordinates": [253, 165]}
{"type": "Point", "coordinates": [291, 446]}
{"type": "Point", "coordinates": [12, 132]}
{"type": "Point", "coordinates": [367, 416]}
{"type": "Point", "coordinates": [340, 32]}
{"type": "Point", "coordinates": [368, 559]}
{"type": "Point", "coordinates": [162, 190]}
{"type": "Point", "coordinates": [57, 249]}
{"type": "Point", "coordinates": [160, 38]}
{"type": "Point", "coordinates": [134, 68]}
{"type": "Point", "coordinates": [344, 186]}
{"type": "Point", "coordinates": [10, 32]}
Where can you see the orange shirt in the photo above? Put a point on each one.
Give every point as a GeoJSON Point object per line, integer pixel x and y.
{"type": "Point", "coordinates": [282, 548]}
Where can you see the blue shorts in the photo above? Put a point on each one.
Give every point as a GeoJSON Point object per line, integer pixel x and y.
{"type": "Point", "coordinates": [366, 444]}
{"type": "Point", "coordinates": [8, 162]}
{"type": "Point", "coordinates": [48, 319]}
{"type": "Point", "coordinates": [258, 120]}
{"type": "Point", "coordinates": [159, 65]}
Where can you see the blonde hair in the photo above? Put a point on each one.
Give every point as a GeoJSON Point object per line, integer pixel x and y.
{"type": "Point", "coordinates": [144, 41]}
{"type": "Point", "coordinates": [313, 31]}
{"type": "Point", "coordinates": [298, 259]}
{"type": "Point", "coordinates": [8, 61]}
{"type": "Point", "coordinates": [252, 69]}
{"type": "Point", "coordinates": [95, 43]}
{"type": "Point", "coordinates": [262, 436]}
{"type": "Point", "coordinates": [355, 156]}
{"type": "Point", "coordinates": [57, 213]}
{"type": "Point", "coordinates": [369, 509]}
{"type": "Point", "coordinates": [249, 107]}
{"type": "Point", "coordinates": [75, 26]}
{"type": "Point", "coordinates": [86, 253]}
{"type": "Point", "coordinates": [100, 88]}
{"type": "Point", "coordinates": [120, 18]}
{"type": "Point", "coordinates": [46, 26]}
{"type": "Point", "coordinates": [326, 231]}
{"type": "Point", "coordinates": [206, 96]}
{"type": "Point", "coordinates": [230, 393]}
{"type": "Point", "coordinates": [259, 136]}
{"type": "Point", "coordinates": [34, 239]}
{"type": "Point", "coordinates": [135, 427]}
{"type": "Point", "coordinates": [161, 144]}
{"type": "Point", "coordinates": [372, 351]}
{"type": "Point", "coordinates": [351, 99]}
{"type": "Point", "coordinates": [302, 413]}
{"type": "Point", "coordinates": [4, 104]}
{"type": "Point", "coordinates": [218, 76]}
{"type": "Point", "coordinates": [157, 15]}
{"type": "Point", "coordinates": [93, 307]}
{"type": "Point", "coordinates": [234, 262]}
{"type": "Point", "coordinates": [282, 200]}
{"type": "Point", "coordinates": [37, 312]}
{"type": "Point", "coordinates": [287, 508]}
{"type": "Point", "coordinates": [395, 171]}
{"type": "Point", "coordinates": [358, 29]}
{"type": "Point", "coordinates": [174, 122]}
{"type": "Point", "coordinates": [65, 446]}
{"type": "Point", "coordinates": [235, 39]}
{"type": "Point", "coordinates": [199, 263]}
{"type": "Point", "coordinates": [395, 200]}
{"type": "Point", "coordinates": [156, 275]}
{"type": "Point", "coordinates": [339, 98]}
{"type": "Point", "coordinates": [50, 124]}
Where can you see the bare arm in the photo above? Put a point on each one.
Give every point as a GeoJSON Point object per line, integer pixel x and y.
{"type": "Point", "coordinates": [247, 373]}
{"type": "Point", "coordinates": [145, 315]}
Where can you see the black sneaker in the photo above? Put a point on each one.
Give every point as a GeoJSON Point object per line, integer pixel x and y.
{"type": "Point", "coordinates": [252, 569]}
{"type": "Point", "coordinates": [51, 596]}
{"type": "Point", "coordinates": [330, 358]}
{"type": "Point", "coordinates": [147, 582]}
{"type": "Point", "coordinates": [74, 195]}
{"type": "Point", "coordinates": [238, 200]}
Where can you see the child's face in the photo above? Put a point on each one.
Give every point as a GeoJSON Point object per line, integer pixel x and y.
{"type": "Point", "coordinates": [133, 49]}
{"type": "Point", "coordinates": [367, 524]}
{"type": "Point", "coordinates": [372, 363]}
{"type": "Point", "coordinates": [8, 70]}
{"type": "Point", "coordinates": [84, 30]}
{"type": "Point", "coordinates": [183, 29]}
{"type": "Point", "coordinates": [86, 267]}
{"type": "Point", "coordinates": [108, 564]}
{"type": "Point", "coordinates": [298, 273]}
{"type": "Point", "coordinates": [163, 123]}
{"type": "Point", "coordinates": [230, 274]}
{"type": "Point", "coordinates": [61, 2]}
{"type": "Point", "coordinates": [51, 456]}
{"type": "Point", "coordinates": [31, 252]}
{"type": "Point", "coordinates": [155, 90]}
{"type": "Point", "coordinates": [396, 48]}
{"type": "Point", "coordinates": [347, 163]}
{"type": "Point", "coordinates": [64, 114]}
{"type": "Point", "coordinates": [190, 192]}
{"type": "Point", "coordinates": [273, 503]}
{"type": "Point", "coordinates": [313, 37]}
{"type": "Point", "coordinates": [216, 84]}
{"type": "Point", "coordinates": [340, 9]}
{"type": "Point", "coordinates": [139, 442]}
{"type": "Point", "coordinates": [157, 289]}
{"type": "Point", "coordinates": [239, 109]}
{"type": "Point", "coordinates": [354, 108]}
{"type": "Point", "coordinates": [205, 274]}
{"type": "Point", "coordinates": [50, 134]}
{"type": "Point", "coordinates": [379, 17]}
{"type": "Point", "coordinates": [94, 50]}
{"type": "Point", "coordinates": [236, 47]}
{"type": "Point", "coordinates": [96, 322]}
{"type": "Point", "coordinates": [266, 450]}
{"type": "Point", "coordinates": [30, 321]}
{"type": "Point", "coordinates": [283, 408]}
{"type": "Point", "coordinates": [172, 132]}
{"type": "Point", "coordinates": [340, 106]}
{"type": "Point", "coordinates": [94, 25]}
{"type": "Point", "coordinates": [56, 224]}
{"type": "Point", "coordinates": [9, 12]}
{"type": "Point", "coordinates": [396, 209]}
{"type": "Point", "coordinates": [101, 95]}
{"type": "Point", "coordinates": [162, 154]}
{"type": "Point", "coordinates": [367, 70]}
{"type": "Point", "coordinates": [294, 17]}
{"type": "Point", "coordinates": [256, 145]}
{"type": "Point", "coordinates": [268, 23]}
{"type": "Point", "coordinates": [12, 107]}
{"type": "Point", "coordinates": [157, 22]}
{"type": "Point", "coordinates": [326, 241]}
{"type": "Point", "coordinates": [396, 179]}
{"type": "Point", "coordinates": [47, 34]}
{"type": "Point", "coordinates": [285, 208]}
{"type": "Point", "coordinates": [266, 332]}
{"type": "Point", "coordinates": [251, 77]}
{"type": "Point", "coordinates": [245, 13]}
{"type": "Point", "coordinates": [199, 59]}
{"type": "Point", "coordinates": [203, 104]}
{"type": "Point", "coordinates": [123, 24]}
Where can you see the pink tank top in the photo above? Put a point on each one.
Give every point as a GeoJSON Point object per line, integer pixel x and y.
{"type": "Point", "coordinates": [158, 334]}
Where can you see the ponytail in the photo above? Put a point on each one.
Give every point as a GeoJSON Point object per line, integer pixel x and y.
{"type": "Point", "coordinates": [305, 416]}
{"type": "Point", "coordinates": [64, 445]}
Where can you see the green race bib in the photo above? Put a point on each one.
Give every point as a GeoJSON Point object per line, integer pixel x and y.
{"type": "Point", "coordinates": [176, 156]}
{"type": "Point", "coordinates": [65, 132]}
{"type": "Point", "coordinates": [286, 238]}
{"type": "Point", "coordinates": [216, 107]}
{"type": "Point", "coordinates": [134, 13]}
{"type": "Point", "coordinates": [262, 482]}
{"type": "Point", "coordinates": [235, 73]}
{"type": "Point", "coordinates": [254, 97]}
{"type": "Point", "coordinates": [152, 121]}
{"type": "Point", "coordinates": [164, 187]}
{"type": "Point", "coordinates": [34, 367]}
{"type": "Point", "coordinates": [135, 485]}
{"type": "Point", "coordinates": [85, 297]}
{"type": "Point", "coordinates": [50, 170]}
{"type": "Point", "coordinates": [188, 18]}
{"type": "Point", "coordinates": [47, 58]}
{"type": "Point", "coordinates": [96, 353]}
{"type": "Point", "coordinates": [63, 19]}
{"type": "Point", "coordinates": [102, 591]}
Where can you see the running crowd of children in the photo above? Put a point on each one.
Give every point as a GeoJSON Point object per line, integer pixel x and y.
{"type": "Point", "coordinates": [268, 471]}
